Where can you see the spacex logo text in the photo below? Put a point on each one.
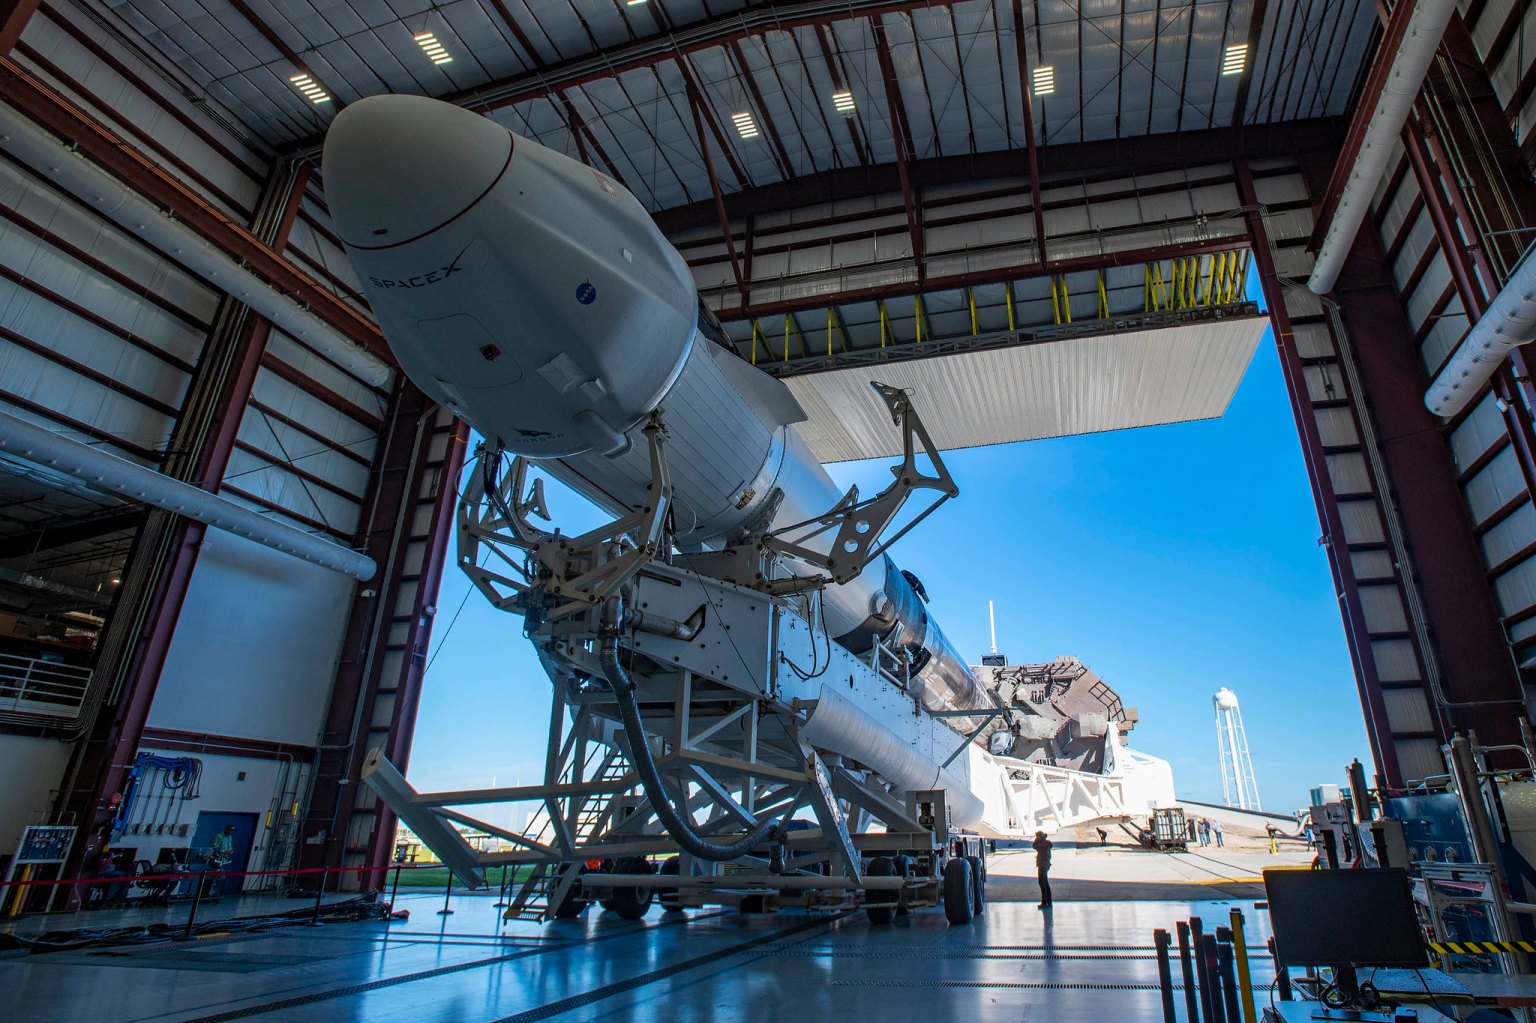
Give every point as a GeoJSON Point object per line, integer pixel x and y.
{"type": "Point", "coordinates": [442, 273]}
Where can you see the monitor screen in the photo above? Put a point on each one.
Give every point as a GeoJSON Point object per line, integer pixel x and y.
{"type": "Point", "coordinates": [1330, 917]}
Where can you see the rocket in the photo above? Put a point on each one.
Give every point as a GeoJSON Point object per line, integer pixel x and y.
{"type": "Point", "coordinates": [535, 297]}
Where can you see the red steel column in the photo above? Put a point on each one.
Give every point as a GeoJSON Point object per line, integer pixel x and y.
{"type": "Point", "coordinates": [1356, 635]}
{"type": "Point", "coordinates": [378, 683]}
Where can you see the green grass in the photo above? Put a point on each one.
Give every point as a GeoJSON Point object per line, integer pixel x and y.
{"type": "Point", "coordinates": [437, 877]}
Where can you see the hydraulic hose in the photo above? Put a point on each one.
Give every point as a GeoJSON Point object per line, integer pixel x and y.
{"type": "Point", "coordinates": [677, 824]}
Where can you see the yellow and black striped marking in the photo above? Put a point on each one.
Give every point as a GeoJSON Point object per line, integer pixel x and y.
{"type": "Point", "coordinates": [1473, 947]}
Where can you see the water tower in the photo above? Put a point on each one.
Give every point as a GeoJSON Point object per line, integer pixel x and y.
{"type": "Point", "coordinates": [1238, 786]}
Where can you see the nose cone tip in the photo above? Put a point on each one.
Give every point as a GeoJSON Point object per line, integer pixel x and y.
{"type": "Point", "coordinates": [399, 167]}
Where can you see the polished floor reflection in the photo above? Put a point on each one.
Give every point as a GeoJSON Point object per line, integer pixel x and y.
{"type": "Point", "coordinates": [1080, 961]}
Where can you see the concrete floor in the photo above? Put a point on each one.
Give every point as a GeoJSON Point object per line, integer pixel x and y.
{"type": "Point", "coordinates": [1083, 960]}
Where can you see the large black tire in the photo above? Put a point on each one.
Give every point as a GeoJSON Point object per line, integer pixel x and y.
{"type": "Point", "coordinates": [668, 896]}
{"type": "Point", "coordinates": [571, 906]}
{"type": "Point", "coordinates": [882, 910]}
{"type": "Point", "coordinates": [978, 885]}
{"type": "Point", "coordinates": [632, 903]}
{"type": "Point", "coordinates": [959, 898]}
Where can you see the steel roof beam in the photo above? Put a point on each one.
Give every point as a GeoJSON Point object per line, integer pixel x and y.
{"type": "Point", "coordinates": [1140, 154]}
{"type": "Point", "coordinates": [1029, 128]}
{"type": "Point", "coordinates": [787, 169]}
{"type": "Point", "coordinates": [507, 19]}
{"type": "Point", "coordinates": [897, 117]}
{"type": "Point", "coordinates": [696, 91]}
{"type": "Point", "coordinates": [1255, 29]}
{"type": "Point", "coordinates": [281, 46]}
{"type": "Point", "coordinates": [696, 103]}
{"type": "Point", "coordinates": [840, 82]}
{"type": "Point", "coordinates": [660, 47]}
{"type": "Point", "coordinates": [14, 15]}
{"type": "Point", "coordinates": [580, 128]}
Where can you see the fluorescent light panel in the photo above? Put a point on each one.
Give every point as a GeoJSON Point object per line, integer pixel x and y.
{"type": "Point", "coordinates": [633, 3]}
{"type": "Point", "coordinates": [311, 91]}
{"type": "Point", "coordinates": [1043, 80]}
{"type": "Point", "coordinates": [843, 101]}
{"type": "Point", "coordinates": [1235, 60]}
{"type": "Point", "coordinates": [746, 125]}
{"type": "Point", "coordinates": [432, 48]}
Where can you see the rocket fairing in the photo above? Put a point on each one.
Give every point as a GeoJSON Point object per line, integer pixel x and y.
{"type": "Point", "coordinates": [535, 297]}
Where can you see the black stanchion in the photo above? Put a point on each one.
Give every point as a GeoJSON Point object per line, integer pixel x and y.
{"type": "Point", "coordinates": [1161, 940]}
{"type": "Point", "coordinates": [1187, 969]}
{"type": "Point", "coordinates": [1228, 981]}
{"type": "Point", "coordinates": [447, 894]}
{"type": "Point", "coordinates": [1282, 974]}
{"type": "Point", "coordinates": [394, 892]}
{"type": "Point", "coordinates": [501, 900]}
{"type": "Point", "coordinates": [1210, 981]}
{"type": "Point", "coordinates": [325, 874]}
{"type": "Point", "coordinates": [197, 900]}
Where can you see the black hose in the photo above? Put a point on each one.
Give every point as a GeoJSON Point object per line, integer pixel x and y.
{"type": "Point", "coordinates": [676, 824]}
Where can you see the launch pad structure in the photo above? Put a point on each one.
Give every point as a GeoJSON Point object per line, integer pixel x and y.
{"type": "Point", "coordinates": [699, 703]}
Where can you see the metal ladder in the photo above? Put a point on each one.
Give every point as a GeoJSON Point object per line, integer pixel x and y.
{"type": "Point", "coordinates": [542, 889]}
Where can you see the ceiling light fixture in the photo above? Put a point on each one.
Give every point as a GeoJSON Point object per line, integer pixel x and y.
{"type": "Point", "coordinates": [1043, 80]}
{"type": "Point", "coordinates": [746, 125]}
{"type": "Point", "coordinates": [633, 3]}
{"type": "Point", "coordinates": [311, 91]}
{"type": "Point", "coordinates": [432, 48]}
{"type": "Point", "coordinates": [843, 101]}
{"type": "Point", "coordinates": [1235, 60]}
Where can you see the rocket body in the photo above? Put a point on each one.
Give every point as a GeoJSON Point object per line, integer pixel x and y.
{"type": "Point", "coordinates": [535, 297]}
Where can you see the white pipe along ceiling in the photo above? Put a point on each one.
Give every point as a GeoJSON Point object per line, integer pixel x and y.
{"type": "Point", "coordinates": [1508, 322]}
{"type": "Point", "coordinates": [110, 474]}
{"type": "Point", "coordinates": [1409, 66]}
{"type": "Point", "coordinates": [141, 218]}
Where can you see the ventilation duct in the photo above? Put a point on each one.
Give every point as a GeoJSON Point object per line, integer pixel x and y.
{"type": "Point", "coordinates": [1426, 24]}
{"type": "Point", "coordinates": [1509, 321]}
{"type": "Point", "coordinates": [110, 474]}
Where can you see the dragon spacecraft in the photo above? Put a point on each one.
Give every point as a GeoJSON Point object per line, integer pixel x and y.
{"type": "Point", "coordinates": [741, 673]}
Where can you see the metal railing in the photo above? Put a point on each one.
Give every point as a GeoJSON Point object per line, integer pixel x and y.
{"type": "Point", "coordinates": [29, 685]}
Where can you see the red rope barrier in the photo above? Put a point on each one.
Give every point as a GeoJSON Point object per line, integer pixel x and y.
{"type": "Point", "coordinates": [131, 878]}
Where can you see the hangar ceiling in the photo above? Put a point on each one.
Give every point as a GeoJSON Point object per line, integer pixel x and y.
{"type": "Point", "coordinates": [789, 89]}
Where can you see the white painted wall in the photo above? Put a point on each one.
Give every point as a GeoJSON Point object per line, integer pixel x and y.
{"type": "Point", "coordinates": [32, 769]}
{"type": "Point", "coordinates": [256, 647]}
{"type": "Point", "coordinates": [267, 790]}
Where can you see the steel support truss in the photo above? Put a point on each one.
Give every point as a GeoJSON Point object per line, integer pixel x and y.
{"type": "Point", "coordinates": [708, 655]}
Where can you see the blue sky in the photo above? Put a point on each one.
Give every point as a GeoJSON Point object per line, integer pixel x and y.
{"type": "Point", "coordinates": [1172, 560]}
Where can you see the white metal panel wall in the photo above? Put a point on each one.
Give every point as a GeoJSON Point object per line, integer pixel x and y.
{"type": "Point", "coordinates": [31, 767]}
{"type": "Point", "coordinates": [314, 246]}
{"type": "Point", "coordinates": [111, 352]}
{"type": "Point", "coordinates": [256, 646]}
{"type": "Point", "coordinates": [1495, 489]}
{"type": "Point", "coordinates": [229, 784]}
{"type": "Point", "coordinates": [1511, 66]}
{"type": "Point", "coordinates": [294, 459]}
{"type": "Point", "coordinates": [132, 96]}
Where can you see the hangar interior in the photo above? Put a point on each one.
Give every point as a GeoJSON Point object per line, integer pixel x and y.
{"type": "Point", "coordinates": [1053, 216]}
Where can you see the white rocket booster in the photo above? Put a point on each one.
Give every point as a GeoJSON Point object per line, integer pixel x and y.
{"type": "Point", "coordinates": [536, 298]}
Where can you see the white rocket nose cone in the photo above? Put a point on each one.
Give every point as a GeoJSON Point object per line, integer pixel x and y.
{"type": "Point", "coordinates": [399, 167]}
